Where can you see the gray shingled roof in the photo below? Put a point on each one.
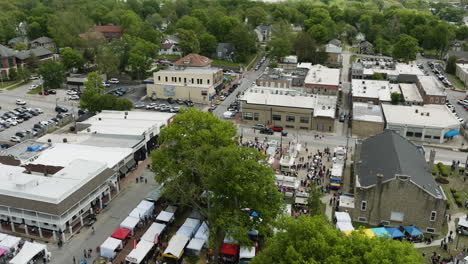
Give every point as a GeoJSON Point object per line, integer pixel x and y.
{"type": "Point", "coordinates": [5, 51]}
{"type": "Point", "coordinates": [389, 154]}
{"type": "Point", "coordinates": [43, 40]}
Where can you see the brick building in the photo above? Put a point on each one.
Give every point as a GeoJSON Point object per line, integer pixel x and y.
{"type": "Point", "coordinates": [432, 91]}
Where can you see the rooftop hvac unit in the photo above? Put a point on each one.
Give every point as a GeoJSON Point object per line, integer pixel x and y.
{"type": "Point", "coordinates": [422, 113]}
{"type": "Point", "coordinates": [65, 140]}
{"type": "Point", "coordinates": [416, 111]}
{"type": "Point", "coordinates": [427, 114]}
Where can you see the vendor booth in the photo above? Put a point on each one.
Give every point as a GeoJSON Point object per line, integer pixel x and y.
{"type": "Point", "coordinates": [140, 253]}
{"type": "Point", "coordinates": [121, 233]}
{"type": "Point", "coordinates": [10, 243]}
{"type": "Point", "coordinates": [344, 226]}
{"type": "Point", "coordinates": [342, 217]}
{"type": "Point", "coordinates": [138, 213]}
{"type": "Point", "coordinates": [202, 232]}
{"type": "Point", "coordinates": [287, 183]}
{"type": "Point", "coordinates": [463, 225]}
{"type": "Point", "coordinates": [109, 248]}
{"type": "Point", "coordinates": [246, 254]}
{"type": "Point", "coordinates": [395, 232]}
{"type": "Point", "coordinates": [190, 227]}
{"type": "Point", "coordinates": [176, 246]}
{"type": "Point", "coordinates": [30, 252]}
{"type": "Point", "coordinates": [130, 223]}
{"type": "Point", "coordinates": [153, 232]}
{"type": "Point", "coordinates": [147, 207]}
{"type": "Point", "coordinates": [167, 216]}
{"type": "Point", "coordinates": [196, 245]}
{"type": "Point", "coordinates": [381, 232]}
{"type": "Point", "coordinates": [229, 253]}
{"type": "Point", "coordinates": [413, 233]}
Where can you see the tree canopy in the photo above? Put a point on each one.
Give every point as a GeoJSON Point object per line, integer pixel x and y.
{"type": "Point", "coordinates": [314, 240]}
{"type": "Point", "coordinates": [202, 166]}
{"type": "Point", "coordinates": [53, 74]}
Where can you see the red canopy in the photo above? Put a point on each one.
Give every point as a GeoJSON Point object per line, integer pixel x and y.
{"type": "Point", "coordinates": [229, 249]}
{"type": "Point", "coordinates": [121, 233]}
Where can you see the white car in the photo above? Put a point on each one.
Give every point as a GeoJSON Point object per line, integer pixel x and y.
{"type": "Point", "coordinates": [15, 139]}
{"type": "Point", "coordinates": [222, 98]}
{"type": "Point", "coordinates": [20, 102]}
{"type": "Point", "coordinates": [38, 110]}
{"type": "Point", "coordinates": [71, 92]}
{"type": "Point", "coordinates": [73, 97]}
{"type": "Point", "coordinates": [34, 78]}
{"type": "Point", "coordinates": [105, 84]}
{"type": "Point", "coordinates": [34, 86]}
{"type": "Point", "coordinates": [114, 81]}
{"type": "Point", "coordinates": [12, 122]}
{"type": "Point", "coordinates": [44, 123]}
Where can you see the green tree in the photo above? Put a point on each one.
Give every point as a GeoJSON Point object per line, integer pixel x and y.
{"type": "Point", "coordinates": [188, 41]}
{"type": "Point", "coordinates": [94, 83]}
{"type": "Point", "coordinates": [71, 59]}
{"type": "Point", "coordinates": [202, 166]}
{"type": "Point", "coordinates": [107, 61]}
{"type": "Point", "coordinates": [190, 23]}
{"type": "Point", "coordinates": [13, 75]}
{"type": "Point", "coordinates": [280, 47]}
{"type": "Point", "coordinates": [21, 46]}
{"type": "Point", "coordinates": [244, 41]}
{"type": "Point", "coordinates": [314, 240]}
{"type": "Point", "coordinates": [314, 203]}
{"type": "Point", "coordinates": [395, 98]}
{"type": "Point", "coordinates": [382, 46]}
{"type": "Point", "coordinates": [451, 65]}
{"type": "Point", "coordinates": [405, 48]}
{"type": "Point", "coordinates": [319, 33]}
{"type": "Point", "coordinates": [35, 30]}
{"type": "Point", "coordinates": [378, 76]}
{"type": "Point", "coordinates": [53, 74]}
{"type": "Point", "coordinates": [256, 16]}
{"type": "Point", "coordinates": [307, 50]}
{"type": "Point", "coordinates": [23, 74]}
{"type": "Point", "coordinates": [132, 23]}
{"type": "Point", "coordinates": [140, 57]}
{"type": "Point", "coordinates": [208, 44]}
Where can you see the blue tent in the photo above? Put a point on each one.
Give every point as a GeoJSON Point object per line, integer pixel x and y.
{"type": "Point", "coordinates": [451, 133]}
{"type": "Point", "coordinates": [254, 213]}
{"type": "Point", "coordinates": [395, 232]}
{"type": "Point", "coordinates": [380, 232]}
{"type": "Point", "coordinates": [412, 231]}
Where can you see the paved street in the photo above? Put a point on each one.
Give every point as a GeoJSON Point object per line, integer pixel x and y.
{"type": "Point", "coordinates": [106, 223]}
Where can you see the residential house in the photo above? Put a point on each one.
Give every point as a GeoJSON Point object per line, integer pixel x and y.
{"type": "Point", "coordinates": [365, 47]}
{"type": "Point", "coordinates": [44, 42]}
{"type": "Point", "coordinates": [335, 42]}
{"type": "Point", "coordinates": [21, 39]}
{"type": "Point", "coordinates": [360, 37]}
{"type": "Point", "coordinates": [109, 32]}
{"type": "Point", "coordinates": [334, 54]}
{"type": "Point", "coordinates": [224, 51]}
{"type": "Point", "coordinates": [170, 46]}
{"type": "Point", "coordinates": [263, 33]}
{"type": "Point", "coordinates": [393, 185]}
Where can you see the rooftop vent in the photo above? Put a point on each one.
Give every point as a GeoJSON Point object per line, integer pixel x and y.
{"type": "Point", "coordinates": [427, 114]}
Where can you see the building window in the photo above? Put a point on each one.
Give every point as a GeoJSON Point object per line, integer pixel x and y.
{"type": "Point", "coordinates": [437, 100]}
{"type": "Point", "coordinates": [409, 134]}
{"type": "Point", "coordinates": [433, 216]}
{"type": "Point", "coordinates": [185, 80]}
{"type": "Point", "coordinates": [276, 117]}
{"type": "Point", "coordinates": [427, 136]}
{"type": "Point", "coordinates": [363, 205]}
{"type": "Point", "coordinates": [247, 116]}
{"type": "Point", "coordinates": [159, 78]}
{"type": "Point", "coordinates": [430, 230]}
{"type": "Point", "coordinates": [290, 118]}
{"type": "Point", "coordinates": [385, 223]}
{"type": "Point", "coordinates": [207, 81]}
{"type": "Point", "coordinates": [166, 78]}
{"type": "Point", "coordinates": [204, 92]}
{"type": "Point", "coordinates": [193, 80]}
{"type": "Point", "coordinates": [304, 128]}
{"type": "Point", "coordinates": [305, 119]}
{"type": "Point", "coordinates": [256, 116]}
{"type": "Point", "coordinates": [436, 137]}
{"type": "Point", "coordinates": [418, 134]}
{"type": "Point", "coordinates": [362, 219]}
{"type": "Point", "coordinates": [180, 79]}
{"type": "Point", "coordinates": [397, 216]}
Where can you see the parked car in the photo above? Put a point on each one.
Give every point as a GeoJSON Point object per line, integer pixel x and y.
{"type": "Point", "coordinates": [38, 110]}
{"type": "Point", "coordinates": [20, 102]}
{"type": "Point", "coordinates": [258, 126]}
{"type": "Point", "coordinates": [33, 86]}
{"type": "Point", "coordinates": [179, 101]}
{"type": "Point", "coordinates": [174, 109]}
{"type": "Point", "coordinates": [114, 81]}
{"type": "Point", "coordinates": [44, 93]}
{"type": "Point", "coordinates": [189, 103]}
{"type": "Point", "coordinates": [61, 109]}
{"type": "Point", "coordinates": [170, 100]}
{"type": "Point", "coordinates": [106, 84]}
{"type": "Point", "coordinates": [73, 97]}
{"type": "Point", "coordinates": [34, 78]}
{"type": "Point", "coordinates": [267, 131]}
{"type": "Point", "coordinates": [137, 106]}
{"type": "Point", "coordinates": [342, 117]}
{"type": "Point", "coordinates": [222, 98]}
{"type": "Point", "coordinates": [71, 92]}
{"type": "Point", "coordinates": [15, 139]}
{"type": "Point", "coordinates": [277, 128]}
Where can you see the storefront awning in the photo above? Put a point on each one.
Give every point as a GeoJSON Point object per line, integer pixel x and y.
{"type": "Point", "coordinates": [451, 133]}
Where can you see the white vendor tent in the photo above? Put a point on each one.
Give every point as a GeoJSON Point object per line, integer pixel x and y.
{"type": "Point", "coordinates": [2, 236]}
{"type": "Point", "coordinates": [287, 181]}
{"type": "Point", "coordinates": [147, 206]}
{"type": "Point", "coordinates": [109, 247]}
{"type": "Point", "coordinates": [246, 253]}
{"type": "Point", "coordinates": [138, 213]}
{"type": "Point", "coordinates": [196, 245]}
{"type": "Point", "coordinates": [28, 252]}
{"type": "Point", "coordinates": [462, 221]}
{"type": "Point", "coordinates": [342, 217]}
{"type": "Point", "coordinates": [139, 253]}
{"type": "Point", "coordinates": [154, 230]}
{"type": "Point", "coordinates": [175, 247]}
{"type": "Point", "coordinates": [130, 223]}
{"type": "Point", "coordinates": [337, 170]}
{"type": "Point", "coordinates": [10, 242]}
{"type": "Point", "coordinates": [165, 217]}
{"type": "Point", "coordinates": [189, 228]}
{"type": "Point", "coordinates": [202, 232]}
{"type": "Point", "coordinates": [344, 226]}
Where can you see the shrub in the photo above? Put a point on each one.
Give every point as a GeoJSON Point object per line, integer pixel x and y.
{"type": "Point", "coordinates": [435, 170]}
{"type": "Point", "coordinates": [443, 169]}
{"type": "Point", "coordinates": [456, 195]}
{"type": "Point", "coordinates": [459, 202]}
{"type": "Point", "coordinates": [441, 180]}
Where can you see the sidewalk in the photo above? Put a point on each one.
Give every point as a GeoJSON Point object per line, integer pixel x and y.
{"type": "Point", "coordinates": [451, 227]}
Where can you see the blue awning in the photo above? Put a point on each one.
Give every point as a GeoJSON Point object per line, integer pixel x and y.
{"type": "Point", "coordinates": [412, 231]}
{"type": "Point", "coordinates": [381, 232]}
{"type": "Point", "coordinates": [452, 133]}
{"type": "Point", "coordinates": [395, 232]}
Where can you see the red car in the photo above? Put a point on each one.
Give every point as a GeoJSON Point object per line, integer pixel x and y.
{"type": "Point", "coordinates": [45, 93]}
{"type": "Point", "coordinates": [277, 128]}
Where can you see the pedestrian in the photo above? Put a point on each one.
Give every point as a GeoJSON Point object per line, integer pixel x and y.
{"type": "Point", "coordinates": [74, 260]}
{"type": "Point", "coordinates": [137, 180]}
{"type": "Point", "coordinates": [146, 181]}
{"type": "Point", "coordinates": [84, 253]}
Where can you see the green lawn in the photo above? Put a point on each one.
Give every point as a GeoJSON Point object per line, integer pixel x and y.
{"type": "Point", "coordinates": [456, 82]}
{"type": "Point", "coordinates": [463, 242]}
{"type": "Point", "coordinates": [7, 83]}
{"type": "Point", "coordinates": [456, 182]}
{"type": "Point", "coordinates": [35, 91]}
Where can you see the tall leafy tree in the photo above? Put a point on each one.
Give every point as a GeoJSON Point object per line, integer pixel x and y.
{"type": "Point", "coordinates": [451, 65]}
{"type": "Point", "coordinates": [188, 41]}
{"type": "Point", "coordinates": [202, 166]}
{"type": "Point", "coordinates": [71, 59]}
{"type": "Point", "coordinates": [314, 240]}
{"type": "Point", "coordinates": [208, 44]}
{"type": "Point", "coordinates": [107, 61]}
{"type": "Point", "coordinates": [405, 48]}
{"type": "Point", "coordinates": [53, 74]}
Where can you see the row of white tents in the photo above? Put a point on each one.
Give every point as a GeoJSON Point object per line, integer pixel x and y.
{"type": "Point", "coordinates": [184, 234]}
{"type": "Point", "coordinates": [28, 251]}
{"type": "Point", "coordinates": [343, 221]}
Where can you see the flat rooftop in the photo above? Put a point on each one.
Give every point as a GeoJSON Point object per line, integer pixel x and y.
{"type": "Point", "coordinates": [431, 85]}
{"type": "Point", "coordinates": [367, 112]}
{"type": "Point", "coordinates": [190, 70]}
{"type": "Point", "coordinates": [400, 68]}
{"type": "Point", "coordinates": [97, 140]}
{"type": "Point", "coordinates": [430, 115]}
{"type": "Point", "coordinates": [134, 123]}
{"type": "Point", "coordinates": [319, 74]}
{"type": "Point", "coordinates": [62, 154]}
{"type": "Point", "coordinates": [371, 89]}
{"type": "Point", "coordinates": [410, 92]}
{"type": "Point", "coordinates": [322, 105]}
{"type": "Point", "coordinates": [52, 188]}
